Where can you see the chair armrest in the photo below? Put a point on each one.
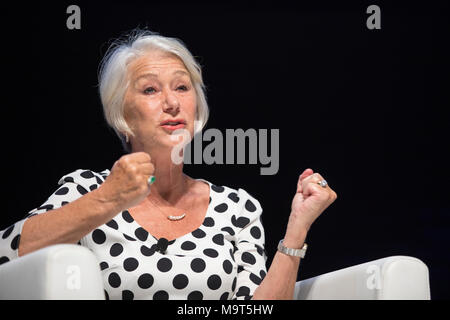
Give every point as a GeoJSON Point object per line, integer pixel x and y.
{"type": "Point", "coordinates": [62, 271]}
{"type": "Point", "coordinates": [391, 278]}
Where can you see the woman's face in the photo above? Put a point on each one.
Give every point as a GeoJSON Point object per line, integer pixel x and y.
{"type": "Point", "coordinates": [160, 89]}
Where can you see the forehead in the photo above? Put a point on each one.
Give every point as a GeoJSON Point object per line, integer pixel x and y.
{"type": "Point", "coordinates": [155, 62]}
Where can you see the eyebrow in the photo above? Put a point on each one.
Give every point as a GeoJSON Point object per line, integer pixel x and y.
{"type": "Point", "coordinates": [154, 75]}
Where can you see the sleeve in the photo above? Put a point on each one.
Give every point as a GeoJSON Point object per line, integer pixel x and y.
{"type": "Point", "coordinates": [71, 187]}
{"type": "Point", "coordinates": [250, 251]}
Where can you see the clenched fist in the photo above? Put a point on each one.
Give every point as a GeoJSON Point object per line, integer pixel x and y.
{"type": "Point", "coordinates": [127, 184]}
{"type": "Point", "coordinates": [309, 202]}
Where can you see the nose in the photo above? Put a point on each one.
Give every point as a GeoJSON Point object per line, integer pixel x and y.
{"type": "Point", "coordinates": [171, 103]}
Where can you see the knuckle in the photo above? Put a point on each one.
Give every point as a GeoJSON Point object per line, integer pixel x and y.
{"type": "Point", "coordinates": [334, 194]}
{"type": "Point", "coordinates": [143, 155]}
{"type": "Point", "coordinates": [132, 169]}
{"type": "Point", "coordinates": [324, 194]}
{"type": "Point", "coordinates": [124, 160]}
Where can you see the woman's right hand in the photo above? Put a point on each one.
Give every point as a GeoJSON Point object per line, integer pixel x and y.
{"type": "Point", "coordinates": [127, 184]}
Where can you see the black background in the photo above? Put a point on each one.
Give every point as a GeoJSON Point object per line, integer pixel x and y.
{"type": "Point", "coordinates": [368, 109]}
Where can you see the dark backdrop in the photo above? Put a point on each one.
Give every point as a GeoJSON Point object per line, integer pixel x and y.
{"type": "Point", "coordinates": [366, 108]}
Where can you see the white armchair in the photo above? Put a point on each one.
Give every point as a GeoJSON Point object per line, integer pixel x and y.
{"type": "Point", "coordinates": [72, 272]}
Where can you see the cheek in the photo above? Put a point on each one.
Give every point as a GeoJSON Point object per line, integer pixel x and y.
{"type": "Point", "coordinates": [190, 104]}
{"type": "Point", "coordinates": [140, 110]}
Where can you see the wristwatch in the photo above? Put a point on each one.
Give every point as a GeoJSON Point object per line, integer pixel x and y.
{"type": "Point", "coordinates": [292, 252]}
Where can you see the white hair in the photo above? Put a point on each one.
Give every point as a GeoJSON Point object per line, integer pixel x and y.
{"type": "Point", "coordinates": [113, 81]}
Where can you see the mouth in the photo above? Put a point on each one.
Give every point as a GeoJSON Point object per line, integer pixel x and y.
{"type": "Point", "coordinates": [173, 124]}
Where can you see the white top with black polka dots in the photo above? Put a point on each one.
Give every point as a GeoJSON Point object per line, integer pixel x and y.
{"type": "Point", "coordinates": [223, 259]}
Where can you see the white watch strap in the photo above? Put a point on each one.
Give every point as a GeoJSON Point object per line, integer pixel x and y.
{"type": "Point", "coordinates": [292, 252]}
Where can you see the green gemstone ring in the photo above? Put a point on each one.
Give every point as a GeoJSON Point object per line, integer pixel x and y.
{"type": "Point", "coordinates": [151, 180]}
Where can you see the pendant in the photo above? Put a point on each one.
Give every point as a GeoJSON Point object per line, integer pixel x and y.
{"type": "Point", "coordinates": [176, 218]}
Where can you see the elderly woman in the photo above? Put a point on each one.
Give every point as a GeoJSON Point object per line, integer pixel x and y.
{"type": "Point", "coordinates": [158, 233]}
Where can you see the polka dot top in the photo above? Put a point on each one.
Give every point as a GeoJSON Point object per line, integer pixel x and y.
{"type": "Point", "coordinates": [223, 259]}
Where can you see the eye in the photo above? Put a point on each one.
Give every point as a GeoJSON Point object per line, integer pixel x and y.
{"type": "Point", "coordinates": [182, 88]}
{"type": "Point", "coordinates": [149, 90]}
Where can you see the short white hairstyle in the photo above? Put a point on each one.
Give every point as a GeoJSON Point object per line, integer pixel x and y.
{"type": "Point", "coordinates": [113, 80]}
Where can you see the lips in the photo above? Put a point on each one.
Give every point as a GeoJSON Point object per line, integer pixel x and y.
{"type": "Point", "coordinates": [173, 124]}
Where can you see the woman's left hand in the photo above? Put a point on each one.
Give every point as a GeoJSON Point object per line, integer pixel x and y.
{"type": "Point", "coordinates": [310, 200]}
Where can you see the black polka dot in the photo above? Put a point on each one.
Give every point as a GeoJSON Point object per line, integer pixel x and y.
{"type": "Point", "coordinates": [68, 179]}
{"type": "Point", "coordinates": [221, 208]}
{"type": "Point", "coordinates": [188, 245]}
{"type": "Point", "coordinates": [63, 203]}
{"type": "Point", "coordinates": [208, 222]}
{"type": "Point", "coordinates": [8, 232]}
{"type": "Point", "coordinates": [211, 253]}
{"type": "Point", "coordinates": [128, 237]}
{"type": "Point", "coordinates": [141, 234]}
{"type": "Point", "coordinates": [241, 222]}
{"type": "Point", "coordinates": [218, 239]}
{"type": "Point", "coordinates": [81, 190]}
{"type": "Point", "coordinates": [104, 265]}
{"type": "Point", "coordinates": [3, 260]}
{"type": "Point", "coordinates": [98, 236]}
{"type": "Point", "coordinates": [116, 249]}
{"type": "Point", "coordinates": [195, 295]}
{"type": "Point", "coordinates": [198, 265]}
{"type": "Point", "coordinates": [243, 291]}
{"type": "Point", "coordinates": [217, 189]}
{"type": "Point", "coordinates": [199, 233]}
{"type": "Point", "coordinates": [62, 191]}
{"type": "Point", "coordinates": [214, 282]}
{"type": "Point", "coordinates": [233, 285]}
{"type": "Point", "coordinates": [146, 251]}
{"type": "Point", "coordinates": [113, 224]}
{"type": "Point", "coordinates": [93, 187]}
{"type": "Point", "coordinates": [114, 280]}
{"type": "Point", "coordinates": [130, 264]}
{"type": "Point", "coordinates": [180, 281]}
{"type": "Point", "coordinates": [106, 295]}
{"type": "Point", "coordinates": [240, 268]}
{"type": "Point", "coordinates": [227, 266]}
{"type": "Point", "coordinates": [145, 281]}
{"type": "Point", "coordinates": [209, 199]}
{"type": "Point", "coordinates": [127, 295]}
{"type": "Point", "coordinates": [99, 181]}
{"type": "Point", "coordinates": [262, 274]}
{"type": "Point", "coordinates": [233, 196]}
{"type": "Point", "coordinates": [161, 295]}
{"type": "Point", "coordinates": [15, 242]}
{"type": "Point", "coordinates": [260, 250]}
{"type": "Point", "coordinates": [247, 257]}
{"type": "Point", "coordinates": [250, 206]}
{"type": "Point", "coordinates": [164, 264]}
{"type": "Point", "coordinates": [224, 296]}
{"type": "Point", "coordinates": [127, 216]}
{"type": "Point", "coordinates": [255, 232]}
{"type": "Point", "coordinates": [229, 230]}
{"type": "Point", "coordinates": [255, 279]}
{"type": "Point", "coordinates": [87, 174]}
